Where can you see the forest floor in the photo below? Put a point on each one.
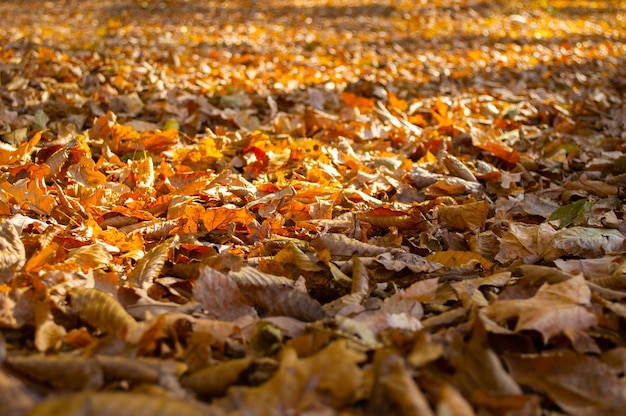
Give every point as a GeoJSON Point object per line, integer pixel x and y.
{"type": "Point", "coordinates": [312, 207]}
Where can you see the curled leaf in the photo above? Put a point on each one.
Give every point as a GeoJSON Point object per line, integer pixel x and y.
{"type": "Point", "coordinates": [150, 266]}
{"type": "Point", "coordinates": [90, 257]}
{"type": "Point", "coordinates": [342, 245]}
{"type": "Point", "coordinates": [102, 311]}
{"type": "Point", "coordinates": [293, 255]}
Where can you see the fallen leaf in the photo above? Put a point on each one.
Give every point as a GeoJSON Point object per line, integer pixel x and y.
{"type": "Point", "coordinates": [554, 308]}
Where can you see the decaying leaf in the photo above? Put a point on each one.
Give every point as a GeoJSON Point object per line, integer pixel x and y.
{"type": "Point", "coordinates": [528, 243]}
{"type": "Point", "coordinates": [589, 242]}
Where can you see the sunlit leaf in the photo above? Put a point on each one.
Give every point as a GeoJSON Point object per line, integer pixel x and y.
{"type": "Point", "coordinates": [293, 255]}
{"type": "Point", "coordinates": [330, 377]}
{"type": "Point", "coordinates": [102, 311]}
{"type": "Point", "coordinates": [150, 266]}
{"type": "Point", "coordinates": [467, 217]}
{"type": "Point", "coordinates": [90, 257]}
{"type": "Point", "coordinates": [459, 258]}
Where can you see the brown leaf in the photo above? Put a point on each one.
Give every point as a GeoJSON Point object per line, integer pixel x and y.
{"type": "Point", "coordinates": [63, 371]}
{"type": "Point", "coordinates": [220, 295]}
{"type": "Point", "coordinates": [330, 377]}
{"type": "Point", "coordinates": [466, 217]}
{"type": "Point", "coordinates": [12, 253]}
{"type": "Point", "coordinates": [215, 380]}
{"type": "Point", "coordinates": [479, 370]}
{"type": "Point", "coordinates": [394, 390]}
{"type": "Point", "coordinates": [553, 309]}
{"type": "Point", "coordinates": [14, 397]}
{"type": "Point", "coordinates": [528, 243]}
{"type": "Point", "coordinates": [342, 245]}
{"type": "Point", "coordinates": [276, 295]}
{"type": "Point", "coordinates": [120, 404]}
{"type": "Point", "coordinates": [579, 384]}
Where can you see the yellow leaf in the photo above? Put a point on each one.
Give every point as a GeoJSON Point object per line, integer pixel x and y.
{"type": "Point", "coordinates": [459, 258]}
{"type": "Point", "coordinates": [466, 217]}
{"type": "Point", "coordinates": [102, 311]}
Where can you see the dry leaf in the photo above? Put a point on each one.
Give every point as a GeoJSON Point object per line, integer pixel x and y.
{"type": "Point", "coordinates": [102, 311]}
{"type": "Point", "coordinates": [220, 296]}
{"type": "Point", "coordinates": [120, 404]}
{"type": "Point", "coordinates": [62, 371]}
{"type": "Point", "coordinates": [12, 253]}
{"type": "Point", "coordinates": [579, 384]}
{"type": "Point", "coordinates": [553, 309]}
{"type": "Point", "coordinates": [467, 217]}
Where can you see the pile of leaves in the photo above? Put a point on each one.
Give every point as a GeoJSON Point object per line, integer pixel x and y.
{"type": "Point", "coordinates": [311, 207]}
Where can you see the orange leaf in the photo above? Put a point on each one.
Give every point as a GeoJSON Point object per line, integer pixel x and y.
{"type": "Point", "coordinates": [459, 258]}
{"type": "Point", "coordinates": [217, 217]}
{"type": "Point", "coordinates": [489, 143]}
{"type": "Point", "coordinates": [159, 141]}
{"type": "Point", "coordinates": [362, 103]}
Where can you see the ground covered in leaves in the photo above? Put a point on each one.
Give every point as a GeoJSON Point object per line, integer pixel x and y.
{"type": "Point", "coordinates": [312, 207]}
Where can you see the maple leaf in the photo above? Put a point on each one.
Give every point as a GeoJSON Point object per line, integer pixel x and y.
{"type": "Point", "coordinates": [553, 309]}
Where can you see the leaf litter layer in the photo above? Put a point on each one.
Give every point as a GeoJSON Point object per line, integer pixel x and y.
{"type": "Point", "coordinates": [308, 207]}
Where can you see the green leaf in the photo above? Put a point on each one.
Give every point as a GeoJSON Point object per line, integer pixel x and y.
{"type": "Point", "coordinates": [171, 123]}
{"type": "Point", "coordinates": [138, 155]}
{"type": "Point", "coordinates": [41, 120]}
{"type": "Point", "coordinates": [573, 213]}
